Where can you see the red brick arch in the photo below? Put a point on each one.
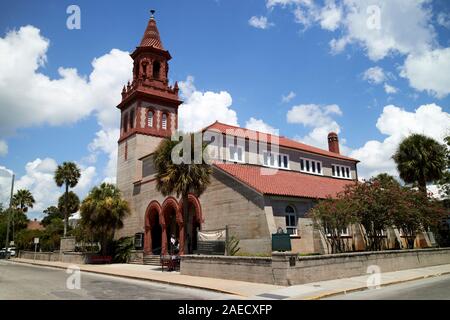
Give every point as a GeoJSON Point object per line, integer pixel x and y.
{"type": "Point", "coordinates": [171, 203]}
{"type": "Point", "coordinates": [150, 220]}
{"type": "Point", "coordinates": [193, 200]}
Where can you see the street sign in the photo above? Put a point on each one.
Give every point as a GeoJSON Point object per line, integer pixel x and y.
{"type": "Point", "coordinates": [36, 240]}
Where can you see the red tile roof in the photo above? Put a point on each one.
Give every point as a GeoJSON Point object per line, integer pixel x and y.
{"type": "Point", "coordinates": [282, 141]}
{"type": "Point", "coordinates": [284, 182]}
{"type": "Point", "coordinates": [35, 225]}
{"type": "Point", "coordinates": [151, 36]}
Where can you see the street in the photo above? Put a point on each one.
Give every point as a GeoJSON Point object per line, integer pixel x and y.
{"type": "Point", "coordinates": [18, 281]}
{"type": "Point", "coordinates": [435, 288]}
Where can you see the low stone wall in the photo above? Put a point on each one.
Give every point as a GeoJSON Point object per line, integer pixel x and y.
{"type": "Point", "coordinates": [67, 257]}
{"type": "Point", "coordinates": [252, 269]}
{"type": "Point", "coordinates": [289, 269]}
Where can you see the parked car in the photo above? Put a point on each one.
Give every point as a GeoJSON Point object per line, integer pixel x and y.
{"type": "Point", "coordinates": [11, 251]}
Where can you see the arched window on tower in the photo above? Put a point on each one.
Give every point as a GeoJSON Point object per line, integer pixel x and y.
{"type": "Point", "coordinates": [164, 121]}
{"type": "Point", "coordinates": [150, 119]}
{"type": "Point", "coordinates": [125, 122]}
{"type": "Point", "coordinates": [131, 119]}
{"type": "Point", "coordinates": [156, 69]}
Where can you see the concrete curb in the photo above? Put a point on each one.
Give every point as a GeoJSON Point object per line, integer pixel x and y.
{"type": "Point", "coordinates": [135, 278]}
{"type": "Point", "coordinates": [339, 292]}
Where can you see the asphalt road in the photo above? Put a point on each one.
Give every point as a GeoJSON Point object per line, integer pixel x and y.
{"type": "Point", "coordinates": [435, 288]}
{"type": "Point", "coordinates": [18, 282]}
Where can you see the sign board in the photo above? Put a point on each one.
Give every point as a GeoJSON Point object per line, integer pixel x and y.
{"type": "Point", "coordinates": [36, 240]}
{"type": "Point", "coordinates": [211, 247]}
{"type": "Point", "coordinates": [281, 242]}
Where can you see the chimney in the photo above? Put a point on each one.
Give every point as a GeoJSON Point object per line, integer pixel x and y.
{"type": "Point", "coordinates": [333, 142]}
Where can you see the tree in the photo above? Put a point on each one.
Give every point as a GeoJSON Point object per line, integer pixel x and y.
{"type": "Point", "coordinates": [51, 213]}
{"type": "Point", "coordinates": [21, 201]}
{"type": "Point", "coordinates": [103, 212]}
{"type": "Point", "coordinates": [331, 217]}
{"type": "Point", "coordinates": [68, 175]}
{"type": "Point", "coordinates": [73, 203]}
{"type": "Point", "coordinates": [420, 160]}
{"type": "Point", "coordinates": [444, 183]}
{"type": "Point", "coordinates": [385, 180]}
{"type": "Point", "coordinates": [189, 176]}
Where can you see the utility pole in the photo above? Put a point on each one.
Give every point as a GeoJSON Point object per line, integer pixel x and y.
{"type": "Point", "coordinates": [9, 214]}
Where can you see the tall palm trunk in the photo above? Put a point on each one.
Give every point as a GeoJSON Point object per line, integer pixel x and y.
{"type": "Point", "coordinates": [65, 209]}
{"type": "Point", "coordinates": [422, 184]}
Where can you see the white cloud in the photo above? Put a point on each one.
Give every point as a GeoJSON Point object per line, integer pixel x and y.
{"type": "Point", "coordinates": [390, 89]}
{"type": "Point", "coordinates": [201, 109]}
{"type": "Point", "coordinates": [259, 22]}
{"type": "Point", "coordinates": [106, 142]}
{"type": "Point", "coordinates": [330, 16]}
{"type": "Point", "coordinates": [429, 72]}
{"type": "Point", "coordinates": [3, 148]}
{"type": "Point", "coordinates": [320, 119]}
{"type": "Point", "coordinates": [396, 124]}
{"type": "Point", "coordinates": [374, 75]}
{"type": "Point", "coordinates": [443, 19]}
{"type": "Point", "coordinates": [261, 126]}
{"type": "Point", "coordinates": [39, 179]}
{"type": "Point", "coordinates": [285, 99]}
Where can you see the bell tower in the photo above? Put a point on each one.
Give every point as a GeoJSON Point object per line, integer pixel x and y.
{"type": "Point", "coordinates": [149, 107]}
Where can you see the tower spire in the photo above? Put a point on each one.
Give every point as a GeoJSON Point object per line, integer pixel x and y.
{"type": "Point", "coordinates": [151, 36]}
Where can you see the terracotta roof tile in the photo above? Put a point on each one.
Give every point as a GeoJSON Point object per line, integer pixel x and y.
{"type": "Point", "coordinates": [282, 141]}
{"type": "Point", "coordinates": [284, 182]}
{"type": "Point", "coordinates": [151, 36]}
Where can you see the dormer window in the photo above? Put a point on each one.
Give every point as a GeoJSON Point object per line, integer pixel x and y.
{"type": "Point", "coordinates": [236, 153]}
{"type": "Point", "coordinates": [150, 119]}
{"type": "Point", "coordinates": [340, 171]}
{"type": "Point", "coordinates": [311, 166]}
{"type": "Point", "coordinates": [164, 121]}
{"type": "Point", "coordinates": [276, 160]}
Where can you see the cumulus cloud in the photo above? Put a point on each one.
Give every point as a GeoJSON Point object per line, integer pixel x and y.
{"type": "Point", "coordinates": [374, 75]}
{"type": "Point", "coordinates": [285, 99]}
{"type": "Point", "coordinates": [200, 109]}
{"type": "Point", "coordinates": [396, 124]}
{"type": "Point", "coordinates": [106, 142]}
{"type": "Point", "coordinates": [429, 72]}
{"type": "Point", "coordinates": [320, 119]}
{"type": "Point", "coordinates": [443, 19]}
{"type": "Point", "coordinates": [390, 89]}
{"type": "Point", "coordinates": [259, 22]}
{"type": "Point", "coordinates": [261, 126]}
{"type": "Point", "coordinates": [3, 148]}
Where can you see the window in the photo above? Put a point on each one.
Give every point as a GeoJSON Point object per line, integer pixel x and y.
{"type": "Point", "coordinates": [236, 153]}
{"type": "Point", "coordinates": [341, 171]}
{"type": "Point", "coordinates": [277, 160]}
{"type": "Point", "coordinates": [131, 119]}
{"type": "Point", "coordinates": [164, 121]}
{"type": "Point", "coordinates": [125, 123]}
{"type": "Point", "coordinates": [150, 119]}
{"type": "Point", "coordinates": [310, 166]}
{"type": "Point", "coordinates": [291, 221]}
{"type": "Point", "coordinates": [156, 69]}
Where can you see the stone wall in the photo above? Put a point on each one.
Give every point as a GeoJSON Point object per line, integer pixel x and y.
{"type": "Point", "coordinates": [290, 269]}
{"type": "Point", "coordinates": [67, 257]}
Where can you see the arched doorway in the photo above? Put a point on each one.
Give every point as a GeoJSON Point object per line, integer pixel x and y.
{"type": "Point", "coordinates": [173, 226]}
{"type": "Point", "coordinates": [193, 223]}
{"type": "Point", "coordinates": [153, 229]}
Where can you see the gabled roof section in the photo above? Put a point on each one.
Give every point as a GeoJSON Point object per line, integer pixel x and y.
{"type": "Point", "coordinates": [269, 138]}
{"type": "Point", "coordinates": [269, 181]}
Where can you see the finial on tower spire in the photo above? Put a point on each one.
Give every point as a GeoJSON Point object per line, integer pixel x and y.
{"type": "Point", "coordinates": [152, 12]}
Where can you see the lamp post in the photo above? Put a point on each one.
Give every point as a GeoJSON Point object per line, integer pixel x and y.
{"type": "Point", "coordinates": [9, 213]}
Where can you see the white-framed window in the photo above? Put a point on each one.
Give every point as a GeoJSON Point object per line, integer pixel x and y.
{"type": "Point", "coordinates": [164, 121]}
{"type": "Point", "coordinates": [150, 119]}
{"type": "Point", "coordinates": [276, 160]}
{"type": "Point", "coordinates": [344, 232]}
{"type": "Point", "coordinates": [235, 153]}
{"type": "Point", "coordinates": [311, 166]}
{"type": "Point", "coordinates": [291, 221]}
{"type": "Point", "coordinates": [340, 171]}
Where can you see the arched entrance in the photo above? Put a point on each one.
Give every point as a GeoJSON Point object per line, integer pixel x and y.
{"type": "Point", "coordinates": [193, 223]}
{"type": "Point", "coordinates": [153, 229]}
{"type": "Point", "coordinates": [173, 226]}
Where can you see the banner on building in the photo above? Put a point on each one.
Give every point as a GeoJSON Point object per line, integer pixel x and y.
{"type": "Point", "coordinates": [212, 235]}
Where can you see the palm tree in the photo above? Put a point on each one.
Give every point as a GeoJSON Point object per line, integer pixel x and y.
{"type": "Point", "coordinates": [73, 203]}
{"type": "Point", "coordinates": [180, 179]}
{"type": "Point", "coordinates": [103, 212]}
{"type": "Point", "coordinates": [22, 200]}
{"type": "Point", "coordinates": [67, 174]}
{"type": "Point", "coordinates": [420, 159]}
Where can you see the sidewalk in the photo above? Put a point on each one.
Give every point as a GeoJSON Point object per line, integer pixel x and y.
{"type": "Point", "coordinates": [249, 290]}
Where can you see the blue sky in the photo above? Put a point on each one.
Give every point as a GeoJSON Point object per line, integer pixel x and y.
{"type": "Point", "coordinates": [381, 85]}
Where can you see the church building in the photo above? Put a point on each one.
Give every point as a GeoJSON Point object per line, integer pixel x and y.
{"type": "Point", "coordinates": [253, 192]}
